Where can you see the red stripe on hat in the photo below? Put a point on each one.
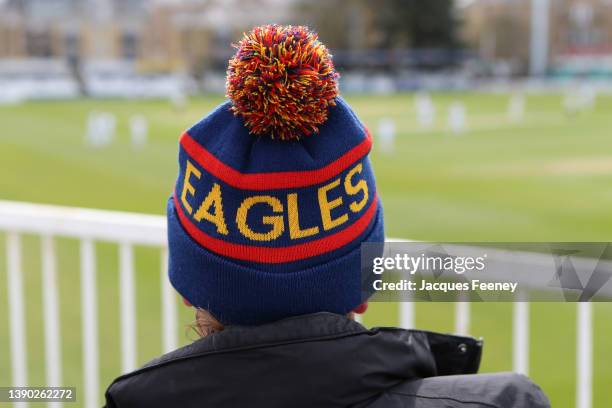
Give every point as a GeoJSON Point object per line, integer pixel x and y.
{"type": "Point", "coordinates": [273, 180]}
{"type": "Point", "coordinates": [274, 255]}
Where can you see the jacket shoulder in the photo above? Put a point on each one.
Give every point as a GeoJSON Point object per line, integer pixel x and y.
{"type": "Point", "coordinates": [131, 389]}
{"type": "Point", "coordinates": [501, 390]}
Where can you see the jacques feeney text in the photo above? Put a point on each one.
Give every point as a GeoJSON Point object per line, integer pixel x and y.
{"type": "Point", "coordinates": [473, 285]}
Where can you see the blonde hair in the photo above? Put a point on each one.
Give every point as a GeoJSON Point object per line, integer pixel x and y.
{"type": "Point", "coordinates": [205, 323]}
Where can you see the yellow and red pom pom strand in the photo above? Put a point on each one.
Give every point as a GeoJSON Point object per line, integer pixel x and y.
{"type": "Point", "coordinates": [282, 81]}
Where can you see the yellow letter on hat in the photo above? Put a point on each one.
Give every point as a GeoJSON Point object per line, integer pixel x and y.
{"type": "Point", "coordinates": [353, 189]}
{"type": "Point", "coordinates": [295, 231]}
{"type": "Point", "coordinates": [326, 206]}
{"type": "Point", "coordinates": [187, 187]}
{"type": "Point", "coordinates": [276, 221]}
{"type": "Point", "coordinates": [213, 199]}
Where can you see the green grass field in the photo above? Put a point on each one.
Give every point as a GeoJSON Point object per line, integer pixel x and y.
{"type": "Point", "coordinates": [547, 178]}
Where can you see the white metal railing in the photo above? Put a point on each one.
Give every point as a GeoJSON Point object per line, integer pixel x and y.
{"type": "Point", "coordinates": [128, 230]}
{"type": "Point", "coordinates": [88, 226]}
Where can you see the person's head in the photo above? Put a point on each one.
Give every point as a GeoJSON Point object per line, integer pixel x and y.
{"type": "Point", "coordinates": [275, 192]}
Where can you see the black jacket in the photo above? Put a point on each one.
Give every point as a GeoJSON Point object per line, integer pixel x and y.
{"type": "Point", "coordinates": [322, 360]}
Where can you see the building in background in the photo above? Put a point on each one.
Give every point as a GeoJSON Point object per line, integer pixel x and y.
{"type": "Point", "coordinates": [582, 43]}
{"type": "Point", "coordinates": [157, 34]}
{"type": "Point", "coordinates": [117, 48]}
{"type": "Point", "coordinates": [72, 28]}
{"type": "Point", "coordinates": [145, 47]}
{"type": "Point", "coordinates": [579, 32]}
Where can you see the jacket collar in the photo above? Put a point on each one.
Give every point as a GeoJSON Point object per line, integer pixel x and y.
{"type": "Point", "coordinates": [323, 358]}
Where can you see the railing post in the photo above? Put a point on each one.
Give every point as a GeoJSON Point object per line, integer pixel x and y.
{"type": "Point", "coordinates": [407, 315]}
{"type": "Point", "coordinates": [584, 355]}
{"type": "Point", "coordinates": [520, 343]}
{"type": "Point", "coordinates": [127, 308]}
{"type": "Point", "coordinates": [53, 359]}
{"type": "Point", "coordinates": [169, 326]}
{"type": "Point", "coordinates": [89, 307]}
{"type": "Point", "coordinates": [16, 312]}
{"type": "Point", "coordinates": [462, 317]}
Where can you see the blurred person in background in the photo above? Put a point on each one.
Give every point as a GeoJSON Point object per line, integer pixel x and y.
{"type": "Point", "coordinates": [274, 197]}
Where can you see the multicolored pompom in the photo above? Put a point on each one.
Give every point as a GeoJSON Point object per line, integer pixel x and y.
{"type": "Point", "coordinates": [282, 81]}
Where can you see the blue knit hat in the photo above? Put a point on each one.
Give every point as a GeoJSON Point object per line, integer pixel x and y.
{"type": "Point", "coordinates": [275, 191]}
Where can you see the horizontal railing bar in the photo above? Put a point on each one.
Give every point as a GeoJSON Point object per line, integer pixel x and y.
{"type": "Point", "coordinates": [81, 222]}
{"type": "Point", "coordinates": [533, 270]}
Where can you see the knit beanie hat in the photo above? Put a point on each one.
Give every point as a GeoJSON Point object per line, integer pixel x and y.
{"type": "Point", "coordinates": [275, 191]}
